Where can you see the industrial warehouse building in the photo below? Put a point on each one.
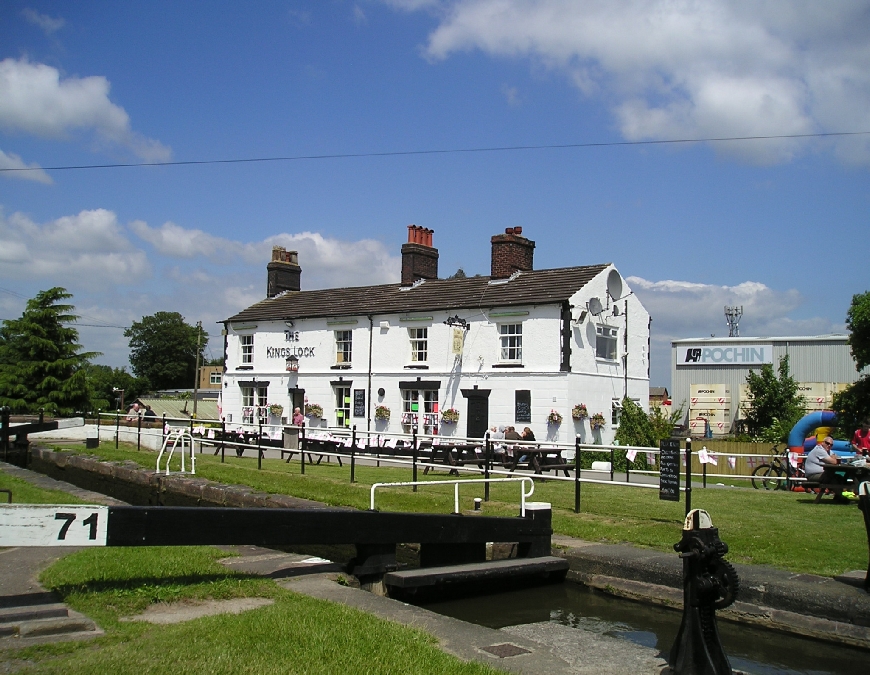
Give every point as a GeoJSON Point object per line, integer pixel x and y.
{"type": "Point", "coordinates": [507, 349]}
{"type": "Point", "coordinates": [708, 375]}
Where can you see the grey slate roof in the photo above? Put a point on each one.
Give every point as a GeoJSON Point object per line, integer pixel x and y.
{"type": "Point", "coordinates": [537, 287]}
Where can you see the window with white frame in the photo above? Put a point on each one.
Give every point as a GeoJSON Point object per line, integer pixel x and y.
{"type": "Point", "coordinates": [342, 406]}
{"type": "Point", "coordinates": [605, 342]}
{"type": "Point", "coordinates": [421, 408]}
{"type": "Point", "coordinates": [254, 404]}
{"type": "Point", "coordinates": [247, 342]}
{"type": "Point", "coordinates": [214, 378]}
{"type": "Point", "coordinates": [343, 346]}
{"type": "Point", "coordinates": [511, 339]}
{"type": "Point", "coordinates": [419, 344]}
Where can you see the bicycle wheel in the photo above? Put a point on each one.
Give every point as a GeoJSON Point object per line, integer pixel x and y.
{"type": "Point", "coordinates": [765, 476]}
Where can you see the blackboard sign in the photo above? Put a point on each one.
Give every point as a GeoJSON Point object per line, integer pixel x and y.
{"type": "Point", "coordinates": [359, 402]}
{"type": "Point", "coordinates": [669, 470]}
{"type": "Point", "coordinates": [522, 405]}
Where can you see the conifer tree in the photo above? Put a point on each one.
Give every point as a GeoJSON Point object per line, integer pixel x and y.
{"type": "Point", "coordinates": [41, 362]}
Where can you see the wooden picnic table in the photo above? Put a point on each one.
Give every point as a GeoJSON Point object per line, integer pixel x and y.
{"type": "Point", "coordinates": [538, 458]}
{"type": "Point", "coordinates": [837, 477]}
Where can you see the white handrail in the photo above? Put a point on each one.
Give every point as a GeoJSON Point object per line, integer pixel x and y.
{"type": "Point", "coordinates": [455, 483]}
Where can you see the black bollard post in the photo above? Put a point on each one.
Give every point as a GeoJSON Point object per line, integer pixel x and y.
{"type": "Point", "coordinates": [117, 427]}
{"type": "Point", "coordinates": [864, 505]}
{"type": "Point", "coordinates": [414, 455]}
{"type": "Point", "coordinates": [99, 412]}
{"type": "Point", "coordinates": [138, 432]}
{"type": "Point", "coordinates": [260, 446]}
{"type": "Point", "coordinates": [487, 457]}
{"type": "Point", "coordinates": [709, 583]}
{"type": "Point", "coordinates": [303, 446]}
{"type": "Point", "coordinates": [352, 453]}
{"type": "Point", "coordinates": [223, 437]}
{"type": "Point", "coordinates": [688, 475]}
{"type": "Point", "coordinates": [4, 431]}
{"type": "Point", "coordinates": [576, 474]}
{"type": "Point", "coordinates": [611, 465]}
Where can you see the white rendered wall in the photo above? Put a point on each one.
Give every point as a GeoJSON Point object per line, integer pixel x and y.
{"type": "Point", "coordinates": [593, 381]}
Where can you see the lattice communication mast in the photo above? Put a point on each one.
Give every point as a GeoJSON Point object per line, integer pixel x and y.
{"type": "Point", "coordinates": [732, 316]}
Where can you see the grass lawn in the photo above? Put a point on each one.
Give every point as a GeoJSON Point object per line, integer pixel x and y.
{"type": "Point", "coordinates": [26, 493]}
{"type": "Point", "coordinates": [783, 529]}
{"type": "Point", "coordinates": [297, 634]}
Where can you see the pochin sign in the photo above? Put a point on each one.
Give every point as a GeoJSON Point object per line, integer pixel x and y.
{"type": "Point", "coordinates": [733, 355]}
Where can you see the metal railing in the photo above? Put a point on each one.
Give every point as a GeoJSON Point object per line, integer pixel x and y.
{"type": "Point", "coordinates": [456, 483]}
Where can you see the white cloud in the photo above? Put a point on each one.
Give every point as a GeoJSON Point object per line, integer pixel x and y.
{"type": "Point", "coordinates": [87, 250]}
{"type": "Point", "coordinates": [48, 24]}
{"type": "Point", "coordinates": [326, 262]}
{"type": "Point", "coordinates": [35, 100]}
{"type": "Point", "coordinates": [11, 161]}
{"type": "Point", "coordinates": [512, 95]}
{"type": "Point", "coordinates": [689, 69]}
{"type": "Point", "coordinates": [359, 16]}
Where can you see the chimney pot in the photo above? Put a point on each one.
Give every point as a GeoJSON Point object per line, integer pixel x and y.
{"type": "Point", "coordinates": [518, 230]}
{"type": "Point", "coordinates": [419, 258]}
{"type": "Point", "coordinates": [508, 230]}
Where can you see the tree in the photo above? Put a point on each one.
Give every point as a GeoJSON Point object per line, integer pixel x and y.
{"type": "Point", "coordinates": [163, 350]}
{"type": "Point", "coordinates": [853, 403]}
{"type": "Point", "coordinates": [41, 365]}
{"type": "Point", "coordinates": [775, 406]}
{"type": "Point", "coordinates": [102, 380]}
{"type": "Point", "coordinates": [858, 322]}
{"type": "Point", "coordinates": [634, 426]}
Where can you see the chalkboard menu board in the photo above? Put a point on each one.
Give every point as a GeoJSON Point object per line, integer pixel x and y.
{"type": "Point", "coordinates": [523, 405]}
{"type": "Point", "coordinates": [359, 402]}
{"type": "Point", "coordinates": [669, 470]}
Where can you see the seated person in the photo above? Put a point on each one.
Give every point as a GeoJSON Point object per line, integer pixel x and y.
{"type": "Point", "coordinates": [861, 440]}
{"type": "Point", "coordinates": [816, 461]}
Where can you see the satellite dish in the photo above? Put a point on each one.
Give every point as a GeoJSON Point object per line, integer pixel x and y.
{"type": "Point", "coordinates": [614, 285]}
{"type": "Point", "coordinates": [595, 307]}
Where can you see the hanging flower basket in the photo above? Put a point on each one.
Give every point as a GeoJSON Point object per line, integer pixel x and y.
{"type": "Point", "coordinates": [382, 412]}
{"type": "Point", "coordinates": [579, 412]}
{"type": "Point", "coordinates": [597, 421]}
{"type": "Point", "coordinates": [449, 416]}
{"type": "Point", "coordinates": [555, 417]}
{"type": "Point", "coordinates": [313, 410]}
{"type": "Point", "coordinates": [276, 409]}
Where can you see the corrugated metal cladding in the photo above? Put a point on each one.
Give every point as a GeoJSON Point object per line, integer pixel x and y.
{"type": "Point", "coordinates": [823, 358]}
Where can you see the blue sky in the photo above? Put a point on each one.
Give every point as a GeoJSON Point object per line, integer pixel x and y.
{"type": "Point", "coordinates": [777, 226]}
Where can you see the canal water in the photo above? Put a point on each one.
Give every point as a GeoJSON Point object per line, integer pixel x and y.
{"type": "Point", "coordinates": [752, 650]}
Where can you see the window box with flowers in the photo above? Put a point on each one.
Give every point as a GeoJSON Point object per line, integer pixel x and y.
{"type": "Point", "coordinates": [313, 410]}
{"type": "Point", "coordinates": [449, 416]}
{"type": "Point", "coordinates": [382, 413]}
{"type": "Point", "coordinates": [579, 412]}
{"type": "Point", "coordinates": [597, 421]}
{"type": "Point", "coordinates": [276, 409]}
{"type": "Point", "coordinates": [555, 417]}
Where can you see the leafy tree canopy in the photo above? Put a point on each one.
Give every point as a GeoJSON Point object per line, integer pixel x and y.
{"type": "Point", "coordinates": [102, 380]}
{"type": "Point", "coordinates": [634, 426]}
{"type": "Point", "coordinates": [858, 321]}
{"type": "Point", "coordinates": [163, 350]}
{"type": "Point", "coordinates": [776, 405]}
{"type": "Point", "coordinates": [41, 362]}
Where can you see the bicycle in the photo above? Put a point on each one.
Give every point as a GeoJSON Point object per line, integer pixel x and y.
{"type": "Point", "coordinates": [778, 474]}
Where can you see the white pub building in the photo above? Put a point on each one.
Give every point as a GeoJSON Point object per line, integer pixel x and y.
{"type": "Point", "coordinates": [451, 356]}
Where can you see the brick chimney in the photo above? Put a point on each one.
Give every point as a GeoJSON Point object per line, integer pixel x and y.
{"type": "Point", "coordinates": [419, 258]}
{"type": "Point", "coordinates": [283, 272]}
{"type": "Point", "coordinates": [511, 252]}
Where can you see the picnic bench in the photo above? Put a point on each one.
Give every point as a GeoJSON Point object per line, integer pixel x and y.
{"type": "Point", "coordinates": [538, 458]}
{"type": "Point", "coordinates": [838, 477]}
